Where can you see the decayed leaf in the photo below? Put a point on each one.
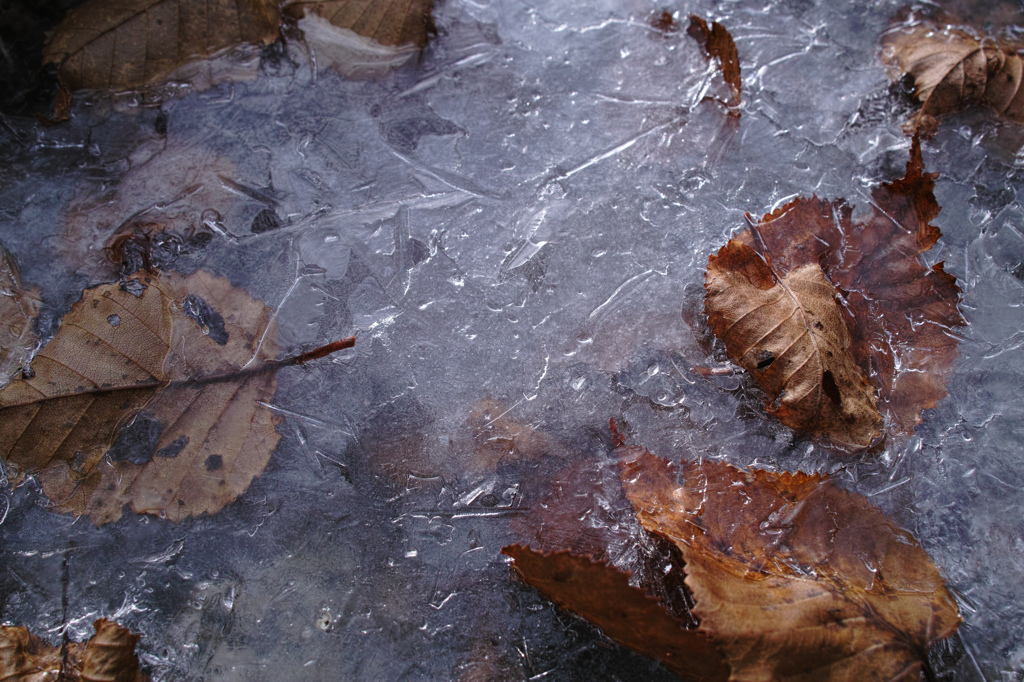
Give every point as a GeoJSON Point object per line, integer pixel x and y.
{"type": "Point", "coordinates": [718, 44]}
{"type": "Point", "coordinates": [953, 69]}
{"type": "Point", "coordinates": [794, 579]}
{"type": "Point", "coordinates": [815, 305]}
{"type": "Point", "coordinates": [122, 44]}
{"type": "Point", "coordinates": [363, 38]}
{"type": "Point", "coordinates": [602, 594]}
{"type": "Point", "coordinates": [109, 656]}
{"type": "Point", "coordinates": [17, 310]}
{"type": "Point", "coordinates": [150, 394]}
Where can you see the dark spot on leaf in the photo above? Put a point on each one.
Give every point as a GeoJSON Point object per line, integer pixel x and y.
{"type": "Point", "coordinates": [208, 319]}
{"type": "Point", "coordinates": [265, 221]}
{"type": "Point", "coordinates": [137, 441]}
{"type": "Point", "coordinates": [765, 360]}
{"type": "Point", "coordinates": [173, 449]}
{"type": "Point", "coordinates": [828, 384]}
{"type": "Point", "coordinates": [27, 372]}
{"type": "Point", "coordinates": [214, 462]}
{"type": "Point", "coordinates": [160, 124]}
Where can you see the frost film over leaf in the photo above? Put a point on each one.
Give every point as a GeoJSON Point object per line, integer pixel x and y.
{"type": "Point", "coordinates": [815, 305]}
{"type": "Point", "coordinates": [953, 69]}
{"type": "Point", "coordinates": [17, 310]}
{"type": "Point", "coordinates": [139, 399]}
{"type": "Point", "coordinates": [120, 44]}
{"type": "Point", "coordinates": [793, 578]}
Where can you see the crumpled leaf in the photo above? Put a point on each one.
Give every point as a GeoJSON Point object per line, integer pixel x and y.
{"type": "Point", "coordinates": [719, 45]}
{"type": "Point", "coordinates": [794, 578]}
{"type": "Point", "coordinates": [17, 310]}
{"type": "Point", "coordinates": [152, 394]}
{"type": "Point", "coordinates": [363, 38]}
{"type": "Point", "coordinates": [109, 656]}
{"type": "Point", "coordinates": [602, 595]}
{"type": "Point", "coordinates": [953, 69]}
{"type": "Point", "coordinates": [123, 44]}
{"type": "Point", "coordinates": [815, 305]}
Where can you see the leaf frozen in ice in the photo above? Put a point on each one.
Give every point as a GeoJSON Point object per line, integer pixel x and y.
{"type": "Point", "coordinates": [152, 393]}
{"type": "Point", "coordinates": [109, 655]}
{"type": "Point", "coordinates": [719, 45]}
{"type": "Point", "coordinates": [816, 304]}
{"type": "Point", "coordinates": [17, 310]}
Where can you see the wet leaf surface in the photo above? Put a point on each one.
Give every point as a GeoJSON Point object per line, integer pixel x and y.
{"type": "Point", "coordinates": [953, 69]}
{"type": "Point", "coordinates": [108, 656]}
{"type": "Point", "coordinates": [122, 44]}
{"type": "Point", "coordinates": [834, 316]}
{"type": "Point", "coordinates": [148, 395]}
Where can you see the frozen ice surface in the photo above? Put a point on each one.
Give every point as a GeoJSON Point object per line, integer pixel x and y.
{"type": "Point", "coordinates": [515, 226]}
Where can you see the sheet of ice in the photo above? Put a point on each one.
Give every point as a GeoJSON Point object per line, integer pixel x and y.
{"type": "Point", "coordinates": [516, 227]}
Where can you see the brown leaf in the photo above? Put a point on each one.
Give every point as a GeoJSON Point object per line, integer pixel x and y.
{"type": "Point", "coordinates": [109, 656]}
{"type": "Point", "coordinates": [794, 579]}
{"type": "Point", "coordinates": [815, 305]}
{"type": "Point", "coordinates": [17, 310]}
{"type": "Point", "coordinates": [122, 44]}
{"type": "Point", "coordinates": [953, 69]}
{"type": "Point", "coordinates": [388, 22]}
{"type": "Point", "coordinates": [150, 394]}
{"type": "Point", "coordinates": [602, 595]}
{"type": "Point", "coordinates": [718, 44]}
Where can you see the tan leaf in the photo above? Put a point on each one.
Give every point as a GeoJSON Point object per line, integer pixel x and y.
{"type": "Point", "coordinates": [794, 579]}
{"type": "Point", "coordinates": [391, 23]}
{"type": "Point", "coordinates": [869, 277]}
{"type": "Point", "coordinates": [149, 394]}
{"type": "Point", "coordinates": [953, 69]}
{"type": "Point", "coordinates": [122, 44]}
{"type": "Point", "coordinates": [17, 310]}
{"type": "Point", "coordinates": [788, 332]}
{"type": "Point", "coordinates": [109, 656]}
{"type": "Point", "coordinates": [602, 594]}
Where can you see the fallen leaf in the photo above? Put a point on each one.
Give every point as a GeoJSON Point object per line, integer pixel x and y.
{"type": "Point", "coordinates": [794, 578]}
{"type": "Point", "coordinates": [17, 310]}
{"type": "Point", "coordinates": [839, 320]}
{"type": "Point", "coordinates": [124, 44]}
{"type": "Point", "coordinates": [109, 656]}
{"type": "Point", "coordinates": [602, 595]}
{"type": "Point", "coordinates": [152, 393]}
{"type": "Point", "coordinates": [363, 38]}
{"type": "Point", "coordinates": [953, 69]}
{"type": "Point", "coordinates": [719, 45]}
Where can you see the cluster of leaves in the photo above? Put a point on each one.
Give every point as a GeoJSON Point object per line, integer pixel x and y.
{"type": "Point", "coordinates": [109, 655]}
{"type": "Point", "coordinates": [787, 577]}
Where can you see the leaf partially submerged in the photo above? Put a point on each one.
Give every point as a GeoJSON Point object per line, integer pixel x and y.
{"type": "Point", "coordinates": [837, 319]}
{"type": "Point", "coordinates": [953, 69]}
{"type": "Point", "coordinates": [794, 578]}
{"type": "Point", "coordinates": [17, 310]}
{"type": "Point", "coordinates": [719, 45]}
{"type": "Point", "coordinates": [122, 44]}
{"type": "Point", "coordinates": [108, 656]}
{"type": "Point", "coordinates": [152, 394]}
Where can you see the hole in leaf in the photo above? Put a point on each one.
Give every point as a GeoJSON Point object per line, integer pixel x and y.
{"type": "Point", "coordinates": [765, 360]}
{"type": "Point", "coordinates": [828, 384]}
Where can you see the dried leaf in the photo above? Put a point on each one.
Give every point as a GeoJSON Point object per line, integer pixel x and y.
{"type": "Point", "coordinates": [718, 44]}
{"type": "Point", "coordinates": [794, 579]}
{"type": "Point", "coordinates": [363, 38]}
{"type": "Point", "coordinates": [953, 69]}
{"type": "Point", "coordinates": [109, 656]}
{"type": "Point", "coordinates": [150, 394]}
{"type": "Point", "coordinates": [815, 305]}
{"type": "Point", "coordinates": [17, 310]}
{"type": "Point", "coordinates": [602, 595]}
{"type": "Point", "coordinates": [122, 44]}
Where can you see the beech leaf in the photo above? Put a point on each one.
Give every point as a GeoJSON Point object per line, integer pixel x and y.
{"type": "Point", "coordinates": [17, 310]}
{"type": "Point", "coordinates": [793, 578]}
{"type": "Point", "coordinates": [953, 69]}
{"type": "Point", "coordinates": [152, 393]}
{"type": "Point", "coordinates": [108, 656]}
{"type": "Point", "coordinates": [838, 320]}
{"type": "Point", "coordinates": [123, 44]}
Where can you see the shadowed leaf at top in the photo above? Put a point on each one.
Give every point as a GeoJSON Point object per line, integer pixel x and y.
{"type": "Point", "coordinates": [838, 319]}
{"type": "Point", "coordinates": [953, 69]}
{"type": "Point", "coordinates": [152, 393]}
{"type": "Point", "coordinates": [108, 656]}
{"type": "Point", "coordinates": [792, 577]}
{"type": "Point", "coordinates": [122, 44]}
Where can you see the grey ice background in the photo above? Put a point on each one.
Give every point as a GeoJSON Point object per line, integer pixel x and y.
{"type": "Point", "coordinates": [522, 215]}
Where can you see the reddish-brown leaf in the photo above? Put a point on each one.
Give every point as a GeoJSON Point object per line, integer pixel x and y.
{"type": "Point", "coordinates": [794, 578]}
{"type": "Point", "coordinates": [898, 313]}
{"type": "Point", "coordinates": [718, 44]}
